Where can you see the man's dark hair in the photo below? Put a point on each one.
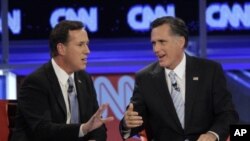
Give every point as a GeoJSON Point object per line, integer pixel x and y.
{"type": "Point", "coordinates": [60, 34]}
{"type": "Point", "coordinates": [177, 26]}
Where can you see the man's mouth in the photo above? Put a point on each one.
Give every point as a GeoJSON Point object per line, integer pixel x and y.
{"type": "Point", "coordinates": [84, 59]}
{"type": "Point", "coordinates": [160, 56]}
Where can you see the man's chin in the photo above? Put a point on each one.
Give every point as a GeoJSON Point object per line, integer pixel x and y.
{"type": "Point", "coordinates": [164, 65]}
{"type": "Point", "coordinates": [161, 64]}
{"type": "Point", "coordinates": [82, 68]}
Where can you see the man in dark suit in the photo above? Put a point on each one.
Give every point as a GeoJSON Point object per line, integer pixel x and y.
{"type": "Point", "coordinates": [192, 104]}
{"type": "Point", "coordinates": [46, 111]}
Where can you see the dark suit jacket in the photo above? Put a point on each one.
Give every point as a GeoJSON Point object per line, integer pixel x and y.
{"type": "Point", "coordinates": [41, 112]}
{"type": "Point", "coordinates": [208, 104]}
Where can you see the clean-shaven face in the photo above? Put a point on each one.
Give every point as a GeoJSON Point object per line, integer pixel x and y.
{"type": "Point", "coordinates": [76, 50]}
{"type": "Point", "coordinates": [168, 48]}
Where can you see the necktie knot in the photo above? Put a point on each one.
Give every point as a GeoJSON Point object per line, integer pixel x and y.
{"type": "Point", "coordinates": [71, 85]}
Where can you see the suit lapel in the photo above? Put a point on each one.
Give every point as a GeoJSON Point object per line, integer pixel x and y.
{"type": "Point", "coordinates": [81, 87]}
{"type": "Point", "coordinates": [192, 80]}
{"type": "Point", "coordinates": [55, 86]}
{"type": "Point", "coordinates": [160, 84]}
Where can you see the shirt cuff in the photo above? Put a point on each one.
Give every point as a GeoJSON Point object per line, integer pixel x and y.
{"type": "Point", "coordinates": [81, 134]}
{"type": "Point", "coordinates": [217, 136]}
{"type": "Point", "coordinates": [126, 133]}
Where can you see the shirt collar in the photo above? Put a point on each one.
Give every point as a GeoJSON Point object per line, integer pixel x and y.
{"type": "Point", "coordinates": [180, 68]}
{"type": "Point", "coordinates": [62, 76]}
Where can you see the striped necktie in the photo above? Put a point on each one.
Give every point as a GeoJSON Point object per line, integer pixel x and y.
{"type": "Point", "coordinates": [177, 98]}
{"type": "Point", "coordinates": [73, 102]}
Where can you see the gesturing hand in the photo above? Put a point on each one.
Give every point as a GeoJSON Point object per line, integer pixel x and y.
{"type": "Point", "coordinates": [96, 120]}
{"type": "Point", "coordinates": [132, 118]}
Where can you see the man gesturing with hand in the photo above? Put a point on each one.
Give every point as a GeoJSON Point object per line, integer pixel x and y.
{"type": "Point", "coordinates": [178, 97]}
{"type": "Point", "coordinates": [57, 102]}
{"type": "Point", "coordinates": [132, 118]}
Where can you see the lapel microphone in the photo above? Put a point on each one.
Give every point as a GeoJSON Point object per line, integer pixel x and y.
{"type": "Point", "coordinates": [176, 87]}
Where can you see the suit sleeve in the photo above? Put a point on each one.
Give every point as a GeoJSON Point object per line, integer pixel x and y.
{"type": "Point", "coordinates": [34, 105]}
{"type": "Point", "coordinates": [98, 134]}
{"type": "Point", "coordinates": [139, 106]}
{"type": "Point", "coordinates": [223, 106]}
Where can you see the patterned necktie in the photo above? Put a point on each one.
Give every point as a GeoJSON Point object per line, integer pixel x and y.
{"type": "Point", "coordinates": [177, 98]}
{"type": "Point", "coordinates": [73, 102]}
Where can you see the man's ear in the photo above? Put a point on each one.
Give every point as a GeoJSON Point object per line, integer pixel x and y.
{"type": "Point", "coordinates": [60, 49]}
{"type": "Point", "coordinates": [181, 42]}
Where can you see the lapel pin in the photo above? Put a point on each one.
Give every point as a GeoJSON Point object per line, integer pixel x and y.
{"type": "Point", "coordinates": [195, 78]}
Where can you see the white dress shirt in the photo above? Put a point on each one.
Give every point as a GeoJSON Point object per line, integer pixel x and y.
{"type": "Point", "coordinates": [180, 71]}
{"type": "Point", "coordinates": [63, 77]}
{"type": "Point", "coordinates": [181, 77]}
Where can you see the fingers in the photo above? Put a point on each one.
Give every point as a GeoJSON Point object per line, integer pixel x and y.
{"type": "Point", "coordinates": [131, 107]}
{"type": "Point", "coordinates": [133, 121]}
{"type": "Point", "coordinates": [132, 118]}
{"type": "Point", "coordinates": [108, 119]}
{"type": "Point", "coordinates": [99, 112]}
{"type": "Point", "coordinates": [101, 109]}
{"type": "Point", "coordinates": [96, 120]}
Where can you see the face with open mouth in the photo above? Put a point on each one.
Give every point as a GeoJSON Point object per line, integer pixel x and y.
{"type": "Point", "coordinates": [76, 50]}
{"type": "Point", "coordinates": [168, 48]}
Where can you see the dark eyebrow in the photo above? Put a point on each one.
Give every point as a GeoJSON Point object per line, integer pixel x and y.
{"type": "Point", "coordinates": [161, 40]}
